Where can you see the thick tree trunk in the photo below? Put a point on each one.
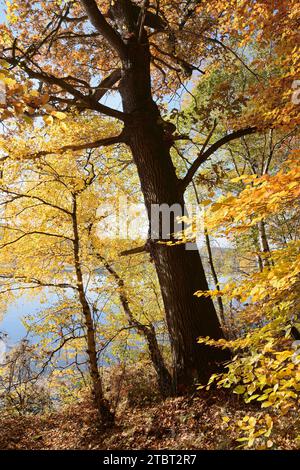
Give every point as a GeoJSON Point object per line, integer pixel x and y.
{"type": "Point", "coordinates": [180, 272]}
{"type": "Point", "coordinates": [106, 416]}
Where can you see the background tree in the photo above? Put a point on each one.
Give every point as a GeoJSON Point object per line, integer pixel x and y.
{"type": "Point", "coordinates": [266, 368]}
{"type": "Point", "coordinates": [50, 217]}
{"type": "Point", "coordinates": [22, 391]}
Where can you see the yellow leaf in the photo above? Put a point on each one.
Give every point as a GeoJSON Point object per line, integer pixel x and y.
{"type": "Point", "coordinates": [239, 390]}
{"type": "Point", "coordinates": [48, 120]}
{"type": "Point", "coordinates": [206, 202]}
{"type": "Point", "coordinates": [59, 115]}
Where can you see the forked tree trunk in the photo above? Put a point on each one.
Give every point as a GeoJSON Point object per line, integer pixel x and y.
{"type": "Point", "coordinates": [179, 271]}
{"type": "Point", "coordinates": [164, 378]}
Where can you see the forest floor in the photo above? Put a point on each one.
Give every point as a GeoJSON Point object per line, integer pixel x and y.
{"type": "Point", "coordinates": [177, 423]}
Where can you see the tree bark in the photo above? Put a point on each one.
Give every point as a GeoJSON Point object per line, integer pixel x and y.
{"type": "Point", "coordinates": [264, 243]}
{"type": "Point", "coordinates": [215, 278]}
{"type": "Point", "coordinates": [180, 272]}
{"type": "Point", "coordinates": [106, 416]}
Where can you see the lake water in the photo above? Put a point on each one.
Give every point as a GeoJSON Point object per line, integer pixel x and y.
{"type": "Point", "coordinates": [12, 329]}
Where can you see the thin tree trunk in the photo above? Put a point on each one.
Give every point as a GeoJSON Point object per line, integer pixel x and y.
{"type": "Point", "coordinates": [260, 262]}
{"type": "Point", "coordinates": [264, 244]}
{"type": "Point", "coordinates": [212, 265]}
{"type": "Point", "coordinates": [101, 403]}
{"type": "Point", "coordinates": [164, 378]}
{"type": "Point", "coordinates": [215, 277]}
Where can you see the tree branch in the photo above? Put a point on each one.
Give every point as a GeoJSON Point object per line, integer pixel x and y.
{"type": "Point", "coordinates": [39, 283]}
{"type": "Point", "coordinates": [105, 142]}
{"type": "Point", "coordinates": [220, 43]}
{"type": "Point", "coordinates": [88, 101]}
{"type": "Point", "coordinates": [104, 28]}
{"type": "Point", "coordinates": [35, 232]}
{"type": "Point", "coordinates": [107, 84]}
{"type": "Point", "coordinates": [204, 155]}
{"type": "Point", "coordinates": [135, 251]}
{"type": "Point", "coordinates": [32, 197]}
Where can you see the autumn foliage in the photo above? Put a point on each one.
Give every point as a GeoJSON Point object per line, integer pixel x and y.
{"type": "Point", "coordinates": [162, 103]}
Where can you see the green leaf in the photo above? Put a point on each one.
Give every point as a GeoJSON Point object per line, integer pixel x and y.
{"type": "Point", "coordinates": [239, 390]}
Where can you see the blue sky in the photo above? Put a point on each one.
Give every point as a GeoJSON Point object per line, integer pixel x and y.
{"type": "Point", "coordinates": [2, 13]}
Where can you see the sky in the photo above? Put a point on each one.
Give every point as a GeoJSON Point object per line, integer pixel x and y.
{"type": "Point", "coordinates": [2, 12]}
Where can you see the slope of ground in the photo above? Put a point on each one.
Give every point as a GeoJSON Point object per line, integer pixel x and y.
{"type": "Point", "coordinates": [179, 423]}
